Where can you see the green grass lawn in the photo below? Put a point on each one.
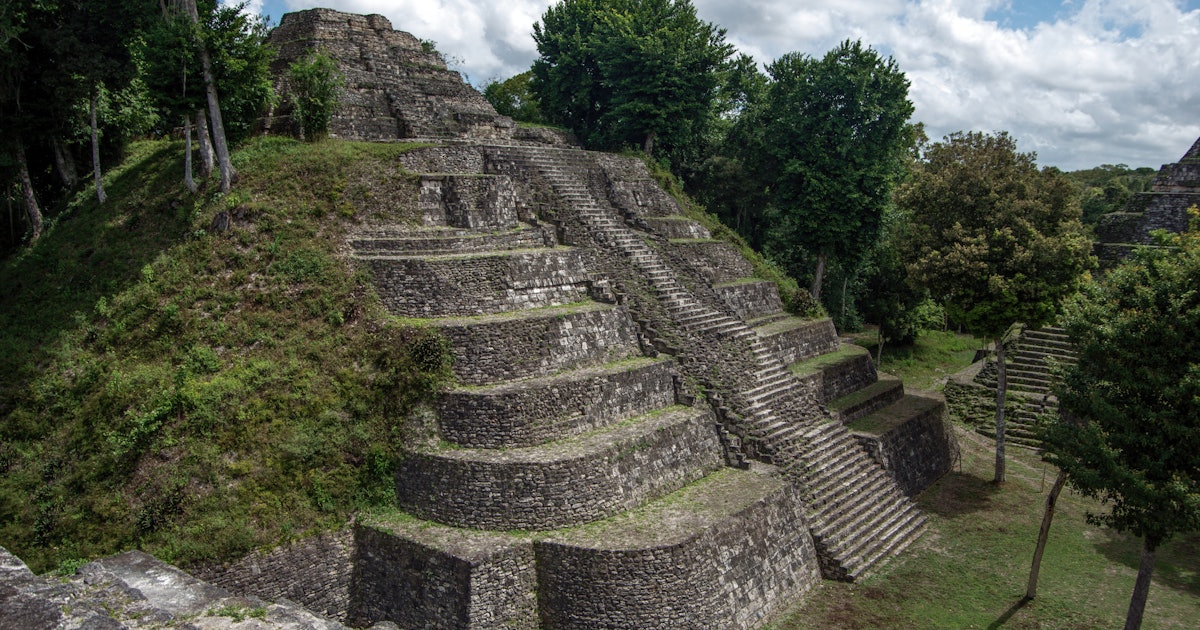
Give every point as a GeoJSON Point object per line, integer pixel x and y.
{"type": "Point", "coordinates": [927, 363]}
{"type": "Point", "coordinates": [969, 569]}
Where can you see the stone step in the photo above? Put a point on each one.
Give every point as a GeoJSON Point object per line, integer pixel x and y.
{"type": "Point", "coordinates": [835, 374]}
{"type": "Point", "coordinates": [448, 241]}
{"type": "Point", "coordinates": [535, 411]}
{"type": "Point", "coordinates": [492, 349]}
{"type": "Point", "coordinates": [600, 576]}
{"type": "Point", "coordinates": [794, 339]}
{"type": "Point", "coordinates": [886, 390]}
{"type": "Point", "coordinates": [559, 484]}
{"type": "Point", "coordinates": [896, 536]}
{"type": "Point", "coordinates": [479, 284]}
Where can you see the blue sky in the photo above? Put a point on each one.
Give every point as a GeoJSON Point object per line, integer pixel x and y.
{"type": "Point", "coordinates": [1081, 82]}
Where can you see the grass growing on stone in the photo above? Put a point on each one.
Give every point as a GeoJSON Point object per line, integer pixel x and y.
{"type": "Point", "coordinates": [811, 366]}
{"type": "Point", "coordinates": [969, 569]}
{"type": "Point", "coordinates": [198, 394]}
{"type": "Point", "coordinates": [927, 363]}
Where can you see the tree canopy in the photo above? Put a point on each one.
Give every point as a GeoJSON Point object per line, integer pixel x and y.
{"type": "Point", "coordinates": [994, 239]}
{"type": "Point", "coordinates": [621, 73]}
{"type": "Point", "coordinates": [835, 133]}
{"type": "Point", "coordinates": [1136, 388]}
{"type": "Point", "coordinates": [513, 97]}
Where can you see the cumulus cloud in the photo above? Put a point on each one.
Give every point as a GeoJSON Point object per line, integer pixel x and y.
{"type": "Point", "coordinates": [1087, 83]}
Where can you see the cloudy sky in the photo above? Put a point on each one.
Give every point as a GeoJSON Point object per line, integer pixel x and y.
{"type": "Point", "coordinates": [1081, 82]}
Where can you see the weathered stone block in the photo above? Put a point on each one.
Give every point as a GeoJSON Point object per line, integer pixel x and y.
{"type": "Point", "coordinates": [492, 349]}
{"type": "Point", "coordinates": [717, 261]}
{"type": "Point", "coordinates": [911, 440]}
{"type": "Point", "coordinates": [573, 481]}
{"type": "Point", "coordinates": [530, 412]}
{"type": "Point", "coordinates": [749, 298]}
{"type": "Point", "coordinates": [795, 339]}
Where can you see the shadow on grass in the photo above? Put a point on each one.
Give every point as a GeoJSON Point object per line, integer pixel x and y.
{"type": "Point", "coordinates": [959, 494]}
{"type": "Point", "coordinates": [1012, 610]}
{"type": "Point", "coordinates": [1177, 563]}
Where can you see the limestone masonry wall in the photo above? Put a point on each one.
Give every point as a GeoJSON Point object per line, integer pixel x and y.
{"type": "Point", "coordinates": [716, 579]}
{"type": "Point", "coordinates": [440, 579]}
{"type": "Point", "coordinates": [501, 349]}
{"type": "Point", "coordinates": [804, 341]}
{"type": "Point", "coordinates": [751, 299]}
{"type": "Point", "coordinates": [479, 284]}
{"type": "Point", "coordinates": [574, 483]}
{"type": "Point", "coordinates": [316, 572]}
{"type": "Point", "coordinates": [917, 452]}
{"type": "Point", "coordinates": [479, 201]}
{"type": "Point", "coordinates": [525, 414]}
{"type": "Point", "coordinates": [717, 261]}
{"type": "Point", "coordinates": [677, 227]}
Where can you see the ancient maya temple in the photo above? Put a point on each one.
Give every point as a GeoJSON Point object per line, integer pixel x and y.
{"type": "Point", "coordinates": [639, 437]}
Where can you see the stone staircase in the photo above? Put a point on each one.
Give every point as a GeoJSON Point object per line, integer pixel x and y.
{"type": "Point", "coordinates": [857, 514]}
{"type": "Point", "coordinates": [1030, 382]}
{"type": "Point", "coordinates": [564, 415]}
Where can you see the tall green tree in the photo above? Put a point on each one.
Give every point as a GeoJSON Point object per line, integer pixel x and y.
{"type": "Point", "coordinates": [995, 240]}
{"type": "Point", "coordinates": [513, 97]}
{"type": "Point", "coordinates": [315, 84]}
{"type": "Point", "coordinates": [1136, 388]}
{"type": "Point", "coordinates": [836, 134]}
{"type": "Point", "coordinates": [622, 73]}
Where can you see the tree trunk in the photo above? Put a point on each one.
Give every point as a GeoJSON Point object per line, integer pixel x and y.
{"type": "Point", "coordinates": [214, 109]}
{"type": "Point", "coordinates": [1044, 534]}
{"type": "Point", "coordinates": [648, 145]}
{"type": "Point", "coordinates": [879, 350]}
{"type": "Point", "coordinates": [1141, 588]}
{"type": "Point", "coordinates": [96, 150]}
{"type": "Point", "coordinates": [64, 164]}
{"type": "Point", "coordinates": [187, 155]}
{"type": "Point", "coordinates": [1001, 390]}
{"type": "Point", "coordinates": [205, 142]}
{"type": "Point", "coordinates": [31, 204]}
{"type": "Point", "coordinates": [820, 277]}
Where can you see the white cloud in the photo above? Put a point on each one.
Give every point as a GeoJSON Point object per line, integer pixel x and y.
{"type": "Point", "coordinates": [1101, 81]}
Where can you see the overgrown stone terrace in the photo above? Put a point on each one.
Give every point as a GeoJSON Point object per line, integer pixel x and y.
{"type": "Point", "coordinates": [640, 435]}
{"type": "Point", "coordinates": [1174, 190]}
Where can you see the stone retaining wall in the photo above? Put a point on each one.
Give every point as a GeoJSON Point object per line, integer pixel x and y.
{"type": "Point", "coordinates": [917, 452]}
{"type": "Point", "coordinates": [450, 286]}
{"type": "Point", "coordinates": [717, 261]}
{"type": "Point", "coordinates": [464, 159]}
{"type": "Point", "coordinates": [468, 201]}
{"type": "Point", "coordinates": [439, 578]}
{"type": "Point", "coordinates": [677, 227]}
{"type": "Point", "coordinates": [565, 484]}
{"type": "Point", "coordinates": [528, 413]}
{"type": "Point", "coordinates": [492, 350]}
{"type": "Point", "coordinates": [316, 572]}
{"type": "Point", "coordinates": [730, 575]}
{"type": "Point", "coordinates": [835, 380]}
{"type": "Point", "coordinates": [751, 299]}
{"type": "Point", "coordinates": [797, 343]}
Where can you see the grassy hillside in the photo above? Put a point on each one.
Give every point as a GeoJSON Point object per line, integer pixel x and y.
{"type": "Point", "coordinates": [199, 393]}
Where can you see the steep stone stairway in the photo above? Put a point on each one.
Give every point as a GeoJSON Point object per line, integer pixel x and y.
{"type": "Point", "coordinates": [857, 514]}
{"type": "Point", "coordinates": [1030, 377]}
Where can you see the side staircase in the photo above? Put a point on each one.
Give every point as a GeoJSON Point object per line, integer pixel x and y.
{"type": "Point", "coordinates": [1031, 381]}
{"type": "Point", "coordinates": [857, 514]}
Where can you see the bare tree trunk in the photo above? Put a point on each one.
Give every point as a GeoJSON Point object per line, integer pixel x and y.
{"type": "Point", "coordinates": [214, 109]}
{"type": "Point", "coordinates": [96, 150]}
{"type": "Point", "coordinates": [648, 145]}
{"type": "Point", "coordinates": [1141, 588]}
{"type": "Point", "coordinates": [31, 204]}
{"type": "Point", "coordinates": [206, 148]}
{"type": "Point", "coordinates": [879, 350]}
{"type": "Point", "coordinates": [820, 277]}
{"type": "Point", "coordinates": [64, 164]}
{"type": "Point", "coordinates": [1001, 391]}
{"type": "Point", "coordinates": [1044, 534]}
{"type": "Point", "coordinates": [187, 155]}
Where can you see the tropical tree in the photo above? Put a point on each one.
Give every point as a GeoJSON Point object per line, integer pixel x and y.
{"type": "Point", "coordinates": [622, 73]}
{"type": "Point", "coordinates": [1136, 389]}
{"type": "Point", "coordinates": [314, 83]}
{"type": "Point", "coordinates": [994, 239]}
{"type": "Point", "coordinates": [513, 97]}
{"type": "Point", "coordinates": [835, 136]}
